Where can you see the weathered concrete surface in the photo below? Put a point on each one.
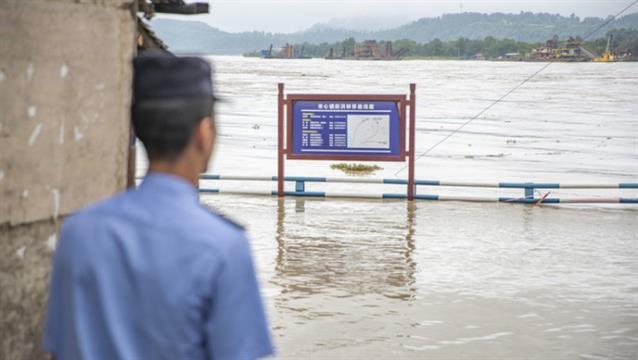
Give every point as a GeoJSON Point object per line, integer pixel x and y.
{"type": "Point", "coordinates": [65, 79]}
{"type": "Point", "coordinates": [64, 105]}
{"type": "Point", "coordinates": [24, 276]}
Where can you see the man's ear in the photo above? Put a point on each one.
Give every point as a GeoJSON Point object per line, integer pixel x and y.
{"type": "Point", "coordinates": [205, 133]}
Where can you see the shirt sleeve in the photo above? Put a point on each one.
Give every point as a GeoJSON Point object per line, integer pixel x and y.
{"type": "Point", "coordinates": [54, 324]}
{"type": "Point", "coordinates": [237, 327]}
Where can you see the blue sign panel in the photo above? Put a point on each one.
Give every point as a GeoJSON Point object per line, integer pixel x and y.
{"type": "Point", "coordinates": [346, 128]}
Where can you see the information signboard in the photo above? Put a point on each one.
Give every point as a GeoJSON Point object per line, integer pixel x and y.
{"type": "Point", "coordinates": [346, 127]}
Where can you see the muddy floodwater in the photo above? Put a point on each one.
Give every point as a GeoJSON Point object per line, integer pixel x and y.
{"type": "Point", "coordinates": [350, 279]}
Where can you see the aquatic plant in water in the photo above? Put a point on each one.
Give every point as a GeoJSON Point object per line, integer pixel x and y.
{"type": "Point", "coordinates": [356, 169]}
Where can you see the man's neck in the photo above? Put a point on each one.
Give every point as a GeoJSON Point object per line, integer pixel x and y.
{"type": "Point", "coordinates": [177, 169]}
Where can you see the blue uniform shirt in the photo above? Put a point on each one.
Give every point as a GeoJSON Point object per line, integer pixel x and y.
{"type": "Point", "coordinates": [151, 274]}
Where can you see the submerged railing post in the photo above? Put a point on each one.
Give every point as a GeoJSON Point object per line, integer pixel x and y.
{"type": "Point", "coordinates": [300, 186]}
{"type": "Point", "coordinates": [529, 190]}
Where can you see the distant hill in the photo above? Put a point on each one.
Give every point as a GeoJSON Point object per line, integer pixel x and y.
{"type": "Point", "coordinates": [364, 23]}
{"type": "Point", "coordinates": [198, 37]}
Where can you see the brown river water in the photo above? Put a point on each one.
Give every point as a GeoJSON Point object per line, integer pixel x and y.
{"type": "Point", "coordinates": [357, 279]}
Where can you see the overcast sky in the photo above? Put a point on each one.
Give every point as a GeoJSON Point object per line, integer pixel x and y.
{"type": "Point", "coordinates": [294, 15]}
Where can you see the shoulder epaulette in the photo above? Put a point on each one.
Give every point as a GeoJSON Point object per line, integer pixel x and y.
{"type": "Point", "coordinates": [225, 218]}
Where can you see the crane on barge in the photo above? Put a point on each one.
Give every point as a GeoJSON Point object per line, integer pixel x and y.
{"type": "Point", "coordinates": [608, 56]}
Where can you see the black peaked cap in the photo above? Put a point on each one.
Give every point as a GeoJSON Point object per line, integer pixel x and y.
{"type": "Point", "coordinates": [161, 75]}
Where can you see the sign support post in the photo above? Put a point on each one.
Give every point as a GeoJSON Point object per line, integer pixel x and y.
{"type": "Point", "coordinates": [411, 156]}
{"type": "Point", "coordinates": [280, 140]}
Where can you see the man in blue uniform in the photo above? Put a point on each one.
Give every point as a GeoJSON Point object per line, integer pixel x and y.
{"type": "Point", "coordinates": [150, 273]}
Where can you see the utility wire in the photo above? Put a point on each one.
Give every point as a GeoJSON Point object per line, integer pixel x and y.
{"type": "Point", "coordinates": [511, 90]}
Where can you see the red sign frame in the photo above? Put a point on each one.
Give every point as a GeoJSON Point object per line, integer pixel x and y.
{"type": "Point", "coordinates": [285, 151]}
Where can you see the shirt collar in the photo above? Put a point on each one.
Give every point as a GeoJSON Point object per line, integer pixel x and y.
{"type": "Point", "coordinates": [163, 183]}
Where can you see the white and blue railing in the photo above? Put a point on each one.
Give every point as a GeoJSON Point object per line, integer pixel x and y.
{"type": "Point", "coordinates": [528, 187]}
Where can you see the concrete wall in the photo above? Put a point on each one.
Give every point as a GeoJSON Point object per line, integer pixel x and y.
{"type": "Point", "coordinates": [65, 78]}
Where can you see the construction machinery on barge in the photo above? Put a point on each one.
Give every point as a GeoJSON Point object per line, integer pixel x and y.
{"type": "Point", "coordinates": [286, 52]}
{"type": "Point", "coordinates": [572, 50]}
{"type": "Point", "coordinates": [370, 50]}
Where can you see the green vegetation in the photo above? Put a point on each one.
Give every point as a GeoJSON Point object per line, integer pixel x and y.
{"type": "Point", "coordinates": [524, 26]}
{"type": "Point", "coordinates": [465, 48]}
{"type": "Point", "coordinates": [461, 48]}
{"type": "Point", "coordinates": [355, 169]}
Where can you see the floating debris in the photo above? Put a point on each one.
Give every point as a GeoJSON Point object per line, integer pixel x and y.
{"type": "Point", "coordinates": [356, 169]}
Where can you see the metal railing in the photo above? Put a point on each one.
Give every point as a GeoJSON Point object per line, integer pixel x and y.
{"type": "Point", "coordinates": [528, 197]}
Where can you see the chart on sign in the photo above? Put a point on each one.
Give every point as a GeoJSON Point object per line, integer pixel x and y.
{"type": "Point", "coordinates": [368, 131]}
{"type": "Point", "coordinates": [345, 128]}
